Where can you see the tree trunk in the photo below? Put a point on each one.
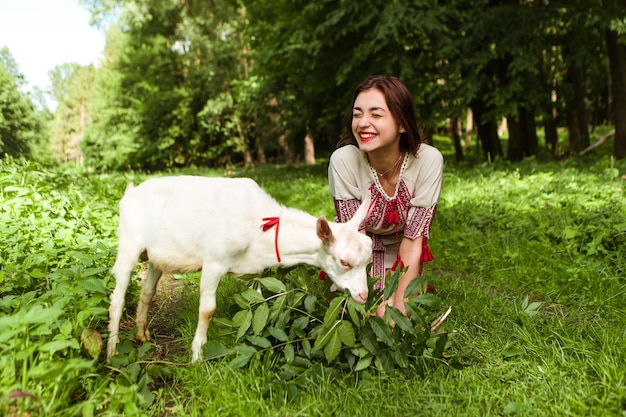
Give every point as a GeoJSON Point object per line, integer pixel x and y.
{"type": "Point", "coordinates": [515, 151]}
{"type": "Point", "coordinates": [487, 131]}
{"type": "Point", "coordinates": [247, 158]}
{"type": "Point", "coordinates": [617, 64]}
{"type": "Point", "coordinates": [469, 129]}
{"type": "Point", "coordinates": [309, 148]}
{"type": "Point", "coordinates": [577, 120]}
{"type": "Point", "coordinates": [260, 154]}
{"type": "Point", "coordinates": [453, 130]}
{"type": "Point", "coordinates": [532, 142]}
{"type": "Point", "coordinates": [550, 130]}
{"type": "Point", "coordinates": [522, 135]}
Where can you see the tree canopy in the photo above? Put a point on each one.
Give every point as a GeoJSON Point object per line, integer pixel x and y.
{"type": "Point", "coordinates": [241, 81]}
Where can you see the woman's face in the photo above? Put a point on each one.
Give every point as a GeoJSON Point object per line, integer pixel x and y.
{"type": "Point", "coordinates": [373, 125]}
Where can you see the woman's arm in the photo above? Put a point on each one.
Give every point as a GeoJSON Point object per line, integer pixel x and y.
{"type": "Point", "coordinates": [410, 253]}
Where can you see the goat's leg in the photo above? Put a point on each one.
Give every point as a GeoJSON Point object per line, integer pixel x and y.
{"type": "Point", "coordinates": [148, 289]}
{"type": "Point", "coordinates": [123, 268]}
{"type": "Point", "coordinates": [211, 276]}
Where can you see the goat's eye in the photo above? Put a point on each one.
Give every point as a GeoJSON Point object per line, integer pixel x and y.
{"type": "Point", "coordinates": [345, 264]}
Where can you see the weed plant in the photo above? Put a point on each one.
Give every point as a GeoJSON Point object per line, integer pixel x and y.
{"type": "Point", "coordinates": [530, 257]}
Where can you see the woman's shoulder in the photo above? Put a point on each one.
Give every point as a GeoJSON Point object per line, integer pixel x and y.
{"type": "Point", "coordinates": [429, 152]}
{"type": "Point", "coordinates": [347, 153]}
{"type": "Point", "coordinates": [348, 157]}
{"type": "Point", "coordinates": [428, 158]}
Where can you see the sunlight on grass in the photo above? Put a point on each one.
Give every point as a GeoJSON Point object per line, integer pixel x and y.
{"type": "Point", "coordinates": [530, 257]}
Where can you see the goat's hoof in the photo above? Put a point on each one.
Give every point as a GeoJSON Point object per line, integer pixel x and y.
{"type": "Point", "coordinates": [143, 336]}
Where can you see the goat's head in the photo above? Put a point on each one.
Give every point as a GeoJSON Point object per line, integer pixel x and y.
{"type": "Point", "coordinates": [346, 254]}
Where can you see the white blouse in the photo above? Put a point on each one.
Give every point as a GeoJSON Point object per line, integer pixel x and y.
{"type": "Point", "coordinates": [410, 210]}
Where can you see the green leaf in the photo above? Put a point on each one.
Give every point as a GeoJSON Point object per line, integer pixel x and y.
{"type": "Point", "coordinates": [382, 330]}
{"type": "Point", "coordinates": [324, 337]}
{"type": "Point", "coordinates": [429, 300]}
{"type": "Point", "coordinates": [306, 348]}
{"type": "Point", "coordinates": [223, 322]}
{"type": "Point", "coordinates": [368, 339]}
{"type": "Point", "coordinates": [416, 314]}
{"type": "Point", "coordinates": [213, 349]}
{"type": "Point", "coordinates": [333, 347]}
{"type": "Point", "coordinates": [401, 358]}
{"type": "Point", "coordinates": [346, 334]}
{"type": "Point", "coordinates": [278, 307]}
{"type": "Point", "coordinates": [253, 296]}
{"type": "Point", "coordinates": [401, 321]}
{"type": "Point", "coordinates": [383, 363]}
{"type": "Point", "coordinates": [310, 302]}
{"type": "Point", "coordinates": [391, 283]}
{"type": "Point", "coordinates": [416, 285]}
{"type": "Point", "coordinates": [333, 311]}
{"type": "Point", "coordinates": [278, 334]}
{"type": "Point", "coordinates": [241, 302]}
{"type": "Point", "coordinates": [355, 310]}
{"type": "Point", "coordinates": [289, 353]}
{"type": "Point", "coordinates": [94, 285]}
{"type": "Point", "coordinates": [260, 318]}
{"type": "Point", "coordinates": [259, 341]}
{"type": "Point", "coordinates": [363, 363]}
{"type": "Point", "coordinates": [57, 345]}
{"type": "Point", "coordinates": [243, 356]}
{"type": "Point", "coordinates": [440, 345]}
{"type": "Point", "coordinates": [245, 323]}
{"type": "Point", "coordinates": [300, 322]}
{"type": "Point", "coordinates": [272, 284]}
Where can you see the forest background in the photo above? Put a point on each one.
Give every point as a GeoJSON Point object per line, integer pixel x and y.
{"type": "Point", "coordinates": [214, 83]}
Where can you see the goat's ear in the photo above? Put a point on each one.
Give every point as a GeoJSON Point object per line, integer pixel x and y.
{"type": "Point", "coordinates": [324, 232]}
{"type": "Point", "coordinates": [361, 212]}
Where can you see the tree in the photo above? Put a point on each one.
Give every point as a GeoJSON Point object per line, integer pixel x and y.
{"type": "Point", "coordinates": [170, 97]}
{"type": "Point", "coordinates": [19, 125]}
{"type": "Point", "coordinates": [199, 82]}
{"type": "Point", "coordinates": [72, 86]}
{"type": "Point", "coordinates": [616, 45]}
{"type": "Point", "coordinates": [311, 56]}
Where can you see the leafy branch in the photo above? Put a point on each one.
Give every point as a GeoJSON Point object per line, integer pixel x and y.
{"type": "Point", "coordinates": [294, 323]}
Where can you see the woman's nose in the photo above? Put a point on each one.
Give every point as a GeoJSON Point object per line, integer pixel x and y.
{"type": "Point", "coordinates": [363, 121]}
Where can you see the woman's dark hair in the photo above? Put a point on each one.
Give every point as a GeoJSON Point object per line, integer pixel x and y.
{"type": "Point", "coordinates": [400, 103]}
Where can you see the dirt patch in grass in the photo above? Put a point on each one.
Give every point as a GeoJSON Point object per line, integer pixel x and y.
{"type": "Point", "coordinates": [164, 317]}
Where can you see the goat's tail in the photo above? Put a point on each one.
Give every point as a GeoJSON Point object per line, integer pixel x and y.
{"type": "Point", "coordinates": [129, 187]}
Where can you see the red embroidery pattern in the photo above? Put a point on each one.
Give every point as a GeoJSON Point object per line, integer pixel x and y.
{"type": "Point", "coordinates": [345, 209]}
{"type": "Point", "coordinates": [385, 212]}
{"type": "Point", "coordinates": [420, 220]}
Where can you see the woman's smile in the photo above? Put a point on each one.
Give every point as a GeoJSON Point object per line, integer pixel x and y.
{"type": "Point", "coordinates": [367, 136]}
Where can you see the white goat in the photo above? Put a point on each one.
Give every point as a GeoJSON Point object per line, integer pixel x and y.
{"type": "Point", "coordinates": [220, 225]}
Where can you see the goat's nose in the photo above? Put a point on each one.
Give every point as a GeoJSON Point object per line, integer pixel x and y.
{"type": "Point", "coordinates": [361, 298]}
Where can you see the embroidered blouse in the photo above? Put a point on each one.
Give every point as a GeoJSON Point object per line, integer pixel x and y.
{"type": "Point", "coordinates": [410, 210]}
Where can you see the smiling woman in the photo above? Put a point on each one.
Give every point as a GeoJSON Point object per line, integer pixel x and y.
{"type": "Point", "coordinates": [381, 156]}
{"type": "Point", "coordinates": [42, 34]}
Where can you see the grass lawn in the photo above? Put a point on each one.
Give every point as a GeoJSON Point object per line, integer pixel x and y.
{"type": "Point", "coordinates": [529, 256]}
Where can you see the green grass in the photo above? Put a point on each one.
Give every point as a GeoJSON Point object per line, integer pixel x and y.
{"type": "Point", "coordinates": [530, 257]}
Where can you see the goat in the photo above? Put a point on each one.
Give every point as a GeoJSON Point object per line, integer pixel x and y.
{"type": "Point", "coordinates": [221, 225]}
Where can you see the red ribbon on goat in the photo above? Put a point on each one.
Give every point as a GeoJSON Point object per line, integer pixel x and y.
{"type": "Point", "coordinates": [269, 223]}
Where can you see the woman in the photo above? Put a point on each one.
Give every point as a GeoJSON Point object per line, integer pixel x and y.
{"type": "Point", "coordinates": [381, 155]}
